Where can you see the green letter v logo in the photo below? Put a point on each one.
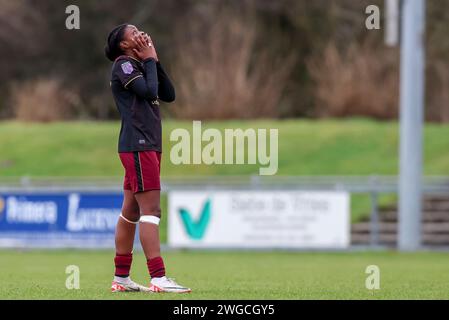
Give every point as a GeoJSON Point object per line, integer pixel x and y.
{"type": "Point", "coordinates": [196, 229]}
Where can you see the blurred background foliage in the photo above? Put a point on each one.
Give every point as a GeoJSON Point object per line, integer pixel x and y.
{"type": "Point", "coordinates": [228, 59]}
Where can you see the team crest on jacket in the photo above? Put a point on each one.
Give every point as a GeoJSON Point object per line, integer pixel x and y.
{"type": "Point", "coordinates": [127, 67]}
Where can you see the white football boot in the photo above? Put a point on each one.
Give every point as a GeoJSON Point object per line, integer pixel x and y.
{"type": "Point", "coordinates": [164, 284]}
{"type": "Point", "coordinates": [127, 285]}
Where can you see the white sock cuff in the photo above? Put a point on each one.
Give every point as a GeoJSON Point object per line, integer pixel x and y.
{"type": "Point", "coordinates": [129, 221]}
{"type": "Point", "coordinates": [150, 219]}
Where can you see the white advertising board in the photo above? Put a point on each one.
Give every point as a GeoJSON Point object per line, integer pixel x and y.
{"type": "Point", "coordinates": [259, 219]}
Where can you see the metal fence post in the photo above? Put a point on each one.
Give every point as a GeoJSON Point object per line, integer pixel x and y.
{"type": "Point", "coordinates": [411, 125]}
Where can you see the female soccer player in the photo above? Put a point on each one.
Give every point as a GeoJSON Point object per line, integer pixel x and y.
{"type": "Point", "coordinates": [138, 81]}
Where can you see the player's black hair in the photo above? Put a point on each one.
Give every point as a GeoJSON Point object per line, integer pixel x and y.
{"type": "Point", "coordinates": [112, 49]}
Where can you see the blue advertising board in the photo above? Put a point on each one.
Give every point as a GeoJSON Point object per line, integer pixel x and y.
{"type": "Point", "coordinates": [59, 220]}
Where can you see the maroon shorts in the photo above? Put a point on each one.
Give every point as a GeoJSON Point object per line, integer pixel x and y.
{"type": "Point", "coordinates": [142, 170]}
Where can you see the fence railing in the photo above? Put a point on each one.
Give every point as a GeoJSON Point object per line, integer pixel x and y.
{"type": "Point", "coordinates": [353, 184]}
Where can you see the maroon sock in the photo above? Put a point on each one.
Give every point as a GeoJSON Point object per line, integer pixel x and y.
{"type": "Point", "coordinates": [156, 267]}
{"type": "Point", "coordinates": [123, 264]}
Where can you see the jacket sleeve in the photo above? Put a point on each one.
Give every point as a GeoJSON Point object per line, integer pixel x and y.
{"type": "Point", "coordinates": [146, 86]}
{"type": "Point", "coordinates": [126, 71]}
{"type": "Point", "coordinates": [166, 90]}
{"type": "Point", "coordinates": [151, 84]}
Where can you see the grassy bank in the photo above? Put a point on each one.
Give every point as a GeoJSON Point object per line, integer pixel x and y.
{"type": "Point", "coordinates": [330, 147]}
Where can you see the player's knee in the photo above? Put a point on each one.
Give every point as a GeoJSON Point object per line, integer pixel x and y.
{"type": "Point", "coordinates": [153, 211]}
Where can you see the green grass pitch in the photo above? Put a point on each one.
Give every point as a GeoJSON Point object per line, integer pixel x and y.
{"type": "Point", "coordinates": [232, 275]}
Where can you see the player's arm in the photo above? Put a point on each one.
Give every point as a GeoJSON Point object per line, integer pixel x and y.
{"type": "Point", "coordinates": [166, 90]}
{"type": "Point", "coordinates": [146, 86]}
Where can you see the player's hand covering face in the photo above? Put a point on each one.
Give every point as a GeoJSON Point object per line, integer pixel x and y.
{"type": "Point", "coordinates": [140, 43]}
